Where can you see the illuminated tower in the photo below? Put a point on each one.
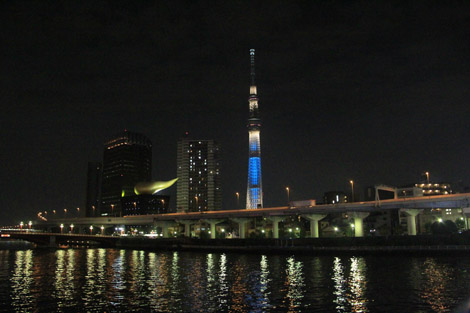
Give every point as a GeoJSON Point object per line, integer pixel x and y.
{"type": "Point", "coordinates": [254, 193]}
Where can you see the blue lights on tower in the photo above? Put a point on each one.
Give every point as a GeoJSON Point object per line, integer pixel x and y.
{"type": "Point", "coordinates": [254, 193]}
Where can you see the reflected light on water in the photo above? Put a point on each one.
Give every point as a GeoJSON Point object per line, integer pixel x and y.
{"type": "Point", "coordinates": [223, 286]}
{"type": "Point", "coordinates": [349, 293]}
{"type": "Point", "coordinates": [64, 283]}
{"type": "Point", "coordinates": [357, 286]}
{"type": "Point", "coordinates": [295, 283]}
{"type": "Point", "coordinates": [113, 280]}
{"type": "Point", "coordinates": [436, 279]}
{"type": "Point", "coordinates": [264, 281]}
{"type": "Point", "coordinates": [21, 281]}
{"type": "Point", "coordinates": [339, 285]}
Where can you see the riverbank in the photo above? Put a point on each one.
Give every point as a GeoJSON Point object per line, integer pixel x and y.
{"type": "Point", "coordinates": [425, 244]}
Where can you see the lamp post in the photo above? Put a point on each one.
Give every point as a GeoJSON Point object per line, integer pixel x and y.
{"type": "Point", "coordinates": [112, 209]}
{"type": "Point", "coordinates": [237, 194]}
{"type": "Point", "coordinates": [78, 212]}
{"type": "Point", "coordinates": [53, 211]}
{"type": "Point", "coordinates": [93, 207]}
{"type": "Point", "coordinates": [102, 229]}
{"type": "Point", "coordinates": [427, 176]}
{"type": "Point", "coordinates": [288, 194]}
{"type": "Point", "coordinates": [21, 225]}
{"type": "Point", "coordinates": [61, 228]}
{"type": "Point", "coordinates": [352, 190]}
{"type": "Point", "coordinates": [71, 228]}
{"type": "Point", "coordinates": [91, 230]}
{"type": "Point", "coordinates": [29, 224]}
{"type": "Point", "coordinates": [197, 202]}
{"type": "Point", "coordinates": [65, 212]}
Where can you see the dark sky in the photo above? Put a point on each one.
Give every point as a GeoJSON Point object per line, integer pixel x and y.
{"type": "Point", "coordinates": [374, 91]}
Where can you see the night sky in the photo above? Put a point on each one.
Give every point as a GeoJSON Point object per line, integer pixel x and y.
{"type": "Point", "coordinates": [373, 91]}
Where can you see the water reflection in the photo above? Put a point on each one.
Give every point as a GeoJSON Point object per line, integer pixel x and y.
{"type": "Point", "coordinates": [357, 285]}
{"type": "Point", "coordinates": [240, 285]}
{"type": "Point", "coordinates": [98, 280]}
{"type": "Point", "coordinates": [295, 283]}
{"type": "Point", "coordinates": [64, 282]}
{"type": "Point", "coordinates": [436, 280]}
{"type": "Point", "coordinates": [350, 293]}
{"type": "Point", "coordinates": [263, 302]}
{"type": "Point", "coordinates": [21, 281]}
{"type": "Point", "coordinates": [339, 285]}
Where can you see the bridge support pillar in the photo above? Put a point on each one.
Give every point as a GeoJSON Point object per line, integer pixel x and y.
{"type": "Point", "coordinates": [411, 220]}
{"type": "Point", "coordinates": [164, 226]}
{"type": "Point", "coordinates": [52, 241]}
{"type": "Point", "coordinates": [187, 226]}
{"type": "Point", "coordinates": [212, 224]}
{"type": "Point", "coordinates": [314, 218]}
{"type": "Point", "coordinates": [242, 222]}
{"type": "Point", "coordinates": [276, 220]}
{"type": "Point", "coordinates": [358, 222]}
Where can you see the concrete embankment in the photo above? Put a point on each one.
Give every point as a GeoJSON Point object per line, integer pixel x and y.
{"type": "Point", "coordinates": [458, 243]}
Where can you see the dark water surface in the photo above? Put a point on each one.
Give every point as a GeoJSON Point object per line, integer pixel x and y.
{"type": "Point", "coordinates": [112, 280]}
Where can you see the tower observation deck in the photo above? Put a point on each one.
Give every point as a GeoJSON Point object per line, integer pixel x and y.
{"type": "Point", "coordinates": [254, 194]}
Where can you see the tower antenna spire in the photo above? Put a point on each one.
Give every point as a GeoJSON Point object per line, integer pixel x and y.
{"type": "Point", "coordinates": [252, 62]}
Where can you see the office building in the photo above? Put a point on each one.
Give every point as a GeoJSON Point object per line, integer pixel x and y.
{"type": "Point", "coordinates": [198, 171]}
{"type": "Point", "coordinates": [127, 160]}
{"type": "Point", "coordinates": [93, 189]}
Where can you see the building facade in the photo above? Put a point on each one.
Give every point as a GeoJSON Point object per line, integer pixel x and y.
{"type": "Point", "coordinates": [434, 189]}
{"type": "Point", "coordinates": [93, 189]}
{"type": "Point", "coordinates": [198, 171]}
{"type": "Point", "coordinates": [127, 160]}
{"type": "Point", "coordinates": [145, 204]}
{"type": "Point", "coordinates": [254, 193]}
{"type": "Point", "coordinates": [332, 197]}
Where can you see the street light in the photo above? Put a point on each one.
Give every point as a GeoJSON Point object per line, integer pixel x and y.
{"type": "Point", "coordinates": [61, 228]}
{"type": "Point", "coordinates": [237, 194]}
{"type": "Point", "coordinates": [112, 209]}
{"type": "Point", "coordinates": [352, 190]}
{"type": "Point", "coordinates": [91, 230]}
{"type": "Point", "coordinates": [93, 207]}
{"type": "Point", "coordinates": [288, 194]}
{"type": "Point", "coordinates": [29, 224]}
{"type": "Point", "coordinates": [65, 212]}
{"type": "Point", "coordinates": [78, 212]}
{"type": "Point", "coordinates": [197, 201]}
{"type": "Point", "coordinates": [427, 176]}
{"type": "Point", "coordinates": [21, 225]}
{"type": "Point", "coordinates": [102, 229]}
{"type": "Point", "coordinates": [71, 228]}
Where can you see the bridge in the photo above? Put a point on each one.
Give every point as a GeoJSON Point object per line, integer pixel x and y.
{"type": "Point", "coordinates": [412, 206]}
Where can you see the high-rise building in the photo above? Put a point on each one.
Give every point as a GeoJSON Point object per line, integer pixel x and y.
{"type": "Point", "coordinates": [254, 193]}
{"type": "Point", "coordinates": [93, 189]}
{"type": "Point", "coordinates": [127, 160]}
{"type": "Point", "coordinates": [198, 170]}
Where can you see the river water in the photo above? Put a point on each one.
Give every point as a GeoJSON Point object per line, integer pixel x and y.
{"type": "Point", "coordinates": [113, 280]}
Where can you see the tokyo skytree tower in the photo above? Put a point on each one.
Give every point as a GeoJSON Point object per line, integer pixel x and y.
{"type": "Point", "coordinates": [254, 194]}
